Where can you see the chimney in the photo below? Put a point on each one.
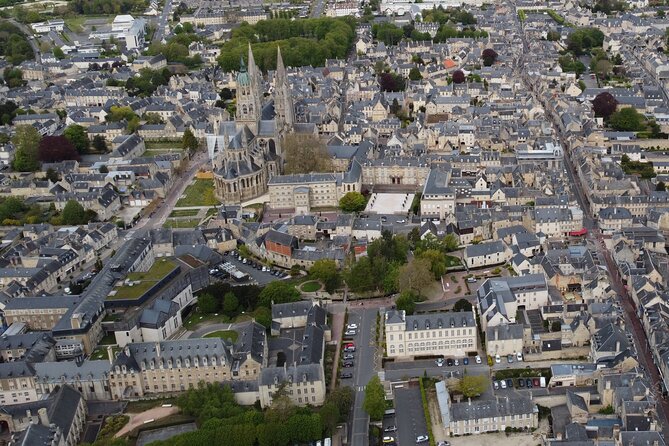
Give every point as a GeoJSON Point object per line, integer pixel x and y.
{"type": "Point", "coordinates": [110, 354]}
{"type": "Point", "coordinates": [76, 320]}
{"type": "Point", "coordinates": [617, 346]}
{"type": "Point", "coordinates": [158, 349]}
{"type": "Point", "coordinates": [43, 418]}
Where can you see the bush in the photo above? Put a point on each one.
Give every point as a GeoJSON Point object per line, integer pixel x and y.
{"type": "Point", "coordinates": [426, 409]}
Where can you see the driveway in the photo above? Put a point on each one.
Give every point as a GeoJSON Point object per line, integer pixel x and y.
{"type": "Point", "coordinates": [410, 417]}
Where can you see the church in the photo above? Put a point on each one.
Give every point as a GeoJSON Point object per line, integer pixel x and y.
{"type": "Point", "coordinates": [247, 152]}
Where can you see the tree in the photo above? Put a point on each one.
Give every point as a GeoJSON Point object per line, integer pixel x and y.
{"type": "Point", "coordinates": [472, 385]}
{"type": "Point", "coordinates": [352, 202]}
{"type": "Point", "coordinates": [99, 143]}
{"type": "Point", "coordinates": [329, 417]}
{"type": "Point", "coordinates": [58, 53]}
{"type": "Point", "coordinates": [26, 140]}
{"type": "Point", "coordinates": [451, 242]}
{"type": "Point", "coordinates": [437, 261]}
{"type": "Point", "coordinates": [391, 82]}
{"type": "Point", "coordinates": [74, 213]}
{"type": "Point", "coordinates": [52, 175]}
{"type": "Point", "coordinates": [13, 77]}
{"type": "Point", "coordinates": [556, 326]}
{"type": "Point", "coordinates": [103, 169]}
{"type": "Point", "coordinates": [226, 94]}
{"type": "Point", "coordinates": [489, 56]}
{"type": "Point", "coordinates": [375, 399]}
{"type": "Point", "coordinates": [459, 77]}
{"type": "Point", "coordinates": [118, 113]}
{"type": "Point", "coordinates": [207, 303]}
{"type": "Point", "coordinates": [230, 304]}
{"type": "Point", "coordinates": [133, 125]}
{"type": "Point", "coordinates": [278, 292]}
{"type": "Point", "coordinates": [414, 74]}
{"type": "Point", "coordinates": [553, 36]}
{"type": "Point", "coordinates": [263, 316]}
{"type": "Point", "coordinates": [660, 186]}
{"type": "Point", "coordinates": [189, 142]}
{"type": "Point", "coordinates": [604, 104]}
{"type": "Point", "coordinates": [343, 398]}
{"type": "Point", "coordinates": [462, 305]}
{"type": "Point", "coordinates": [603, 68]}
{"type": "Point", "coordinates": [627, 120]}
{"type": "Point", "coordinates": [325, 270]}
{"type": "Point", "coordinates": [406, 301]}
{"type": "Point", "coordinates": [78, 136]}
{"type": "Point", "coordinates": [415, 276]}
{"type": "Point", "coordinates": [155, 118]}
{"type": "Point", "coordinates": [305, 154]}
{"type": "Point", "coordinates": [53, 149]}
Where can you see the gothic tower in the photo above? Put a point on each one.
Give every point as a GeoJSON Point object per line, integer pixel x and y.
{"type": "Point", "coordinates": [249, 102]}
{"type": "Point", "coordinates": [283, 100]}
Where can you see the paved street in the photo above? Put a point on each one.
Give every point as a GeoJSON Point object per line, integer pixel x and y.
{"type": "Point", "coordinates": [365, 368]}
{"type": "Point", "coordinates": [165, 16]}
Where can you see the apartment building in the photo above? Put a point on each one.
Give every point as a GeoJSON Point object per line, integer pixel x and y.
{"type": "Point", "coordinates": [438, 199]}
{"type": "Point", "coordinates": [486, 254]}
{"type": "Point", "coordinates": [17, 383]}
{"type": "Point", "coordinates": [439, 334]}
{"type": "Point", "coordinates": [304, 384]}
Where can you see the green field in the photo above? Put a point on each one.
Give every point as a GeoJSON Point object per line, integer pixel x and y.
{"type": "Point", "coordinates": [76, 22]}
{"type": "Point", "coordinates": [184, 213]}
{"type": "Point", "coordinates": [196, 318]}
{"type": "Point", "coordinates": [182, 224]}
{"type": "Point", "coordinates": [452, 261]}
{"type": "Point", "coordinates": [223, 334]}
{"type": "Point", "coordinates": [200, 193]}
{"type": "Point", "coordinates": [143, 281]}
{"type": "Point", "coordinates": [311, 286]}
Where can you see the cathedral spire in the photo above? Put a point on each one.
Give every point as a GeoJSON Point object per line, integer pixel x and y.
{"type": "Point", "coordinates": [280, 68]}
{"type": "Point", "coordinates": [252, 61]}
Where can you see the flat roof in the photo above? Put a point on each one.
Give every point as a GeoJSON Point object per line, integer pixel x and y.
{"type": "Point", "coordinates": [138, 283]}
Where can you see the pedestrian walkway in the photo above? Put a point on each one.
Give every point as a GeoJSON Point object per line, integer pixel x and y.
{"type": "Point", "coordinates": [337, 331]}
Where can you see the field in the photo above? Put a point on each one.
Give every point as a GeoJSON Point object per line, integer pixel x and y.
{"type": "Point", "coordinates": [200, 193]}
{"type": "Point", "coordinates": [182, 224]}
{"type": "Point", "coordinates": [184, 213]}
{"type": "Point", "coordinates": [223, 334]}
{"type": "Point", "coordinates": [310, 286]}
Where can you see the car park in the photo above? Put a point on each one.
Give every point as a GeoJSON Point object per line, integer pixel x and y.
{"type": "Point", "coordinates": [439, 362]}
{"type": "Point", "coordinates": [421, 438]}
{"type": "Point", "coordinates": [346, 375]}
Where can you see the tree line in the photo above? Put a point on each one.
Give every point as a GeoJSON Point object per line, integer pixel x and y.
{"type": "Point", "coordinates": [14, 45]}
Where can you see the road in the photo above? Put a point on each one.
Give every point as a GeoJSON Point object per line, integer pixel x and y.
{"type": "Point", "coordinates": [365, 368]}
{"type": "Point", "coordinates": [317, 10]}
{"type": "Point", "coordinates": [162, 21]}
{"type": "Point", "coordinates": [594, 236]}
{"type": "Point", "coordinates": [158, 217]}
{"type": "Point", "coordinates": [31, 39]}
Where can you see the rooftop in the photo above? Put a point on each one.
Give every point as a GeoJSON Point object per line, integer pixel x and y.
{"type": "Point", "coordinates": [138, 283]}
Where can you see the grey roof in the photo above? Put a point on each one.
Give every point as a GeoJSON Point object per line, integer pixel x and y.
{"type": "Point", "coordinates": [251, 341]}
{"type": "Point", "coordinates": [144, 353]}
{"type": "Point", "coordinates": [16, 369]}
{"type": "Point", "coordinates": [504, 332]}
{"type": "Point", "coordinates": [506, 406]}
{"type": "Point", "coordinates": [291, 309]}
{"type": "Point", "coordinates": [54, 372]}
{"type": "Point", "coordinates": [438, 320]}
{"type": "Point", "coordinates": [484, 249]}
{"type": "Point", "coordinates": [298, 373]}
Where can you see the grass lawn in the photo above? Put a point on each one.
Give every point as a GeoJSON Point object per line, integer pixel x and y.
{"type": "Point", "coordinates": [188, 223]}
{"type": "Point", "coordinates": [200, 193]}
{"type": "Point", "coordinates": [76, 23]}
{"type": "Point", "coordinates": [141, 406]}
{"type": "Point", "coordinates": [184, 213]}
{"type": "Point", "coordinates": [101, 353]}
{"type": "Point", "coordinates": [143, 281]}
{"type": "Point", "coordinates": [211, 211]}
{"type": "Point", "coordinates": [109, 339]}
{"type": "Point", "coordinates": [452, 261]}
{"type": "Point", "coordinates": [196, 318]}
{"type": "Point", "coordinates": [163, 145]}
{"type": "Point", "coordinates": [310, 286]}
{"type": "Point", "coordinates": [224, 334]}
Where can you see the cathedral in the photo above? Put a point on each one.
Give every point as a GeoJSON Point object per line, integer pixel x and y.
{"type": "Point", "coordinates": [247, 152]}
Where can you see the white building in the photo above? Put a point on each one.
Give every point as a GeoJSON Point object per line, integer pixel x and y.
{"type": "Point", "coordinates": [439, 334]}
{"type": "Point", "coordinates": [124, 27]}
{"type": "Point", "coordinates": [57, 25]}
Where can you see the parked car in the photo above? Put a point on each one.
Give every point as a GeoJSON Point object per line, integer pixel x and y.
{"type": "Point", "coordinates": [478, 359]}
{"type": "Point", "coordinates": [350, 333]}
{"type": "Point", "coordinates": [465, 361]}
{"type": "Point", "coordinates": [449, 362]}
{"type": "Point", "coordinates": [387, 440]}
{"type": "Point", "coordinates": [439, 362]}
{"type": "Point", "coordinates": [497, 359]}
{"type": "Point", "coordinates": [535, 382]}
{"type": "Point", "coordinates": [347, 364]}
{"type": "Point", "coordinates": [502, 384]}
{"type": "Point", "coordinates": [509, 359]}
{"type": "Point", "coordinates": [421, 438]}
{"type": "Point", "coordinates": [346, 375]}
{"type": "Point", "coordinates": [471, 280]}
{"type": "Point", "coordinates": [528, 383]}
{"type": "Point", "coordinates": [495, 385]}
{"type": "Point", "coordinates": [352, 327]}
{"type": "Point", "coordinates": [509, 383]}
{"type": "Point", "coordinates": [392, 428]}
{"type": "Point", "coordinates": [519, 356]}
{"type": "Point", "coordinates": [444, 443]}
{"type": "Point", "coordinates": [349, 356]}
{"type": "Point", "coordinates": [521, 382]}
{"type": "Point", "coordinates": [457, 362]}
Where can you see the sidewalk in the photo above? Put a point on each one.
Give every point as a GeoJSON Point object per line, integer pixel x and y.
{"type": "Point", "coordinates": [337, 331]}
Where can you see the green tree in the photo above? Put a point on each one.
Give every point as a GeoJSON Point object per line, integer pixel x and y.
{"type": "Point", "coordinates": [360, 277]}
{"type": "Point", "coordinates": [327, 272]}
{"type": "Point", "coordinates": [375, 399]}
{"type": "Point", "coordinates": [451, 242]}
{"type": "Point", "coordinates": [343, 398]}
{"type": "Point", "coordinates": [78, 136]}
{"type": "Point", "coordinates": [329, 417]}
{"type": "Point", "coordinates": [74, 213]}
{"type": "Point", "coordinates": [472, 385]}
{"type": "Point", "coordinates": [414, 74]}
{"type": "Point", "coordinates": [462, 305]}
{"type": "Point", "coordinates": [415, 276]}
{"type": "Point", "coordinates": [437, 261]}
{"type": "Point", "coordinates": [26, 140]}
{"type": "Point", "coordinates": [627, 120]}
{"type": "Point", "coordinates": [119, 113]}
{"type": "Point", "coordinates": [99, 143]}
{"type": "Point", "coordinates": [406, 301]}
{"type": "Point", "coordinates": [133, 125]}
{"type": "Point", "coordinates": [352, 202]}
{"type": "Point", "coordinates": [278, 292]}
{"type": "Point", "coordinates": [660, 186]}
{"type": "Point", "coordinates": [230, 304]}
{"type": "Point", "coordinates": [189, 142]}
{"type": "Point", "coordinates": [207, 303]}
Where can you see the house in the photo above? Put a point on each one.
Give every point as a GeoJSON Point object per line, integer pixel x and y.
{"type": "Point", "coordinates": [486, 254]}
{"type": "Point", "coordinates": [505, 339]}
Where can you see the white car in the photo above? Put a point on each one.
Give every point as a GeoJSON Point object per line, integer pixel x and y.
{"type": "Point", "coordinates": [503, 384]}
{"type": "Point", "coordinates": [352, 327]}
{"type": "Point", "coordinates": [439, 362]}
{"type": "Point", "coordinates": [478, 359]}
{"type": "Point", "coordinates": [421, 438]}
{"type": "Point", "coordinates": [519, 356]}
{"type": "Point", "coordinates": [497, 359]}
{"type": "Point", "coordinates": [350, 333]}
{"type": "Point", "coordinates": [457, 362]}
